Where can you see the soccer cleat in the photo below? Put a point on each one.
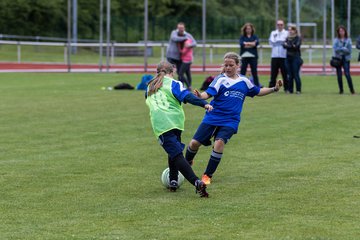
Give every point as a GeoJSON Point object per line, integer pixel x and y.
{"type": "Point", "coordinates": [206, 179]}
{"type": "Point", "coordinates": [201, 188]}
{"type": "Point", "coordinates": [173, 186]}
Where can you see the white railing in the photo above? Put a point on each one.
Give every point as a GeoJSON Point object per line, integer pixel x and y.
{"type": "Point", "coordinates": [210, 48]}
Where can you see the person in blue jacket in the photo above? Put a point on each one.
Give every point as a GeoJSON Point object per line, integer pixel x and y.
{"type": "Point", "coordinates": [342, 49]}
{"type": "Point", "coordinates": [293, 59]}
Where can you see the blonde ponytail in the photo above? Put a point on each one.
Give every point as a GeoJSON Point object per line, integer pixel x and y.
{"type": "Point", "coordinates": [162, 69]}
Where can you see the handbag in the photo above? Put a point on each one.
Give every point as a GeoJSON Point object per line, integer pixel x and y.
{"type": "Point", "coordinates": [336, 62]}
{"type": "Point", "coordinates": [301, 61]}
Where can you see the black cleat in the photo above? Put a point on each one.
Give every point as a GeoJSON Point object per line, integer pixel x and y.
{"type": "Point", "coordinates": [173, 186]}
{"type": "Point", "coordinates": [201, 188]}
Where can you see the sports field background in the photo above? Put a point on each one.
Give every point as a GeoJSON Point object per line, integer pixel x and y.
{"type": "Point", "coordinates": [78, 162]}
{"type": "Point", "coordinates": [86, 55]}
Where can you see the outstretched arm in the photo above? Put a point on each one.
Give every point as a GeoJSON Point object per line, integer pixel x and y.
{"type": "Point", "coordinates": [174, 37]}
{"type": "Point", "coordinates": [203, 95]}
{"type": "Point", "coordinates": [194, 100]}
{"type": "Point", "coordinates": [193, 41]}
{"type": "Point", "coordinates": [265, 91]}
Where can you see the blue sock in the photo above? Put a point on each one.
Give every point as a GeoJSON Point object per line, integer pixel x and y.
{"type": "Point", "coordinates": [190, 154]}
{"type": "Point", "coordinates": [213, 163]}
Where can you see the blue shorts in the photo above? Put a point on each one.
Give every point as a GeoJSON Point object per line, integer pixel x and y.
{"type": "Point", "coordinates": [171, 142]}
{"type": "Point", "coordinates": [206, 131]}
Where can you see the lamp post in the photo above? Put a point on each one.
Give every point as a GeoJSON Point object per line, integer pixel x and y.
{"type": "Point", "coordinates": [204, 34]}
{"type": "Point", "coordinates": [108, 6]}
{"type": "Point", "coordinates": [324, 37]}
{"type": "Point", "coordinates": [349, 18]}
{"type": "Point", "coordinates": [69, 36]}
{"type": "Point", "coordinates": [101, 20]}
{"type": "Point", "coordinates": [145, 33]}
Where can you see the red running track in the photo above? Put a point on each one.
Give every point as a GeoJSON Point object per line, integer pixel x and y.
{"type": "Point", "coordinates": [313, 69]}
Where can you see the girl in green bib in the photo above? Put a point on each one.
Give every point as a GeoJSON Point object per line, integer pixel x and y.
{"type": "Point", "coordinates": [164, 96]}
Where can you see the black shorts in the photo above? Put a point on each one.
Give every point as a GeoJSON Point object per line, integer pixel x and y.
{"type": "Point", "coordinates": [206, 131]}
{"type": "Point", "coordinates": [171, 142]}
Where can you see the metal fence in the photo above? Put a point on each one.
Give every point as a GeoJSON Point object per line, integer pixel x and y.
{"type": "Point", "coordinates": [133, 53]}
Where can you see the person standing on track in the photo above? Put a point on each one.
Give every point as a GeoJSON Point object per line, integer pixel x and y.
{"type": "Point", "coordinates": [186, 52]}
{"type": "Point", "coordinates": [342, 49]}
{"type": "Point", "coordinates": [278, 54]}
{"type": "Point", "coordinates": [177, 36]}
{"type": "Point", "coordinates": [293, 59]}
{"type": "Point", "coordinates": [248, 51]}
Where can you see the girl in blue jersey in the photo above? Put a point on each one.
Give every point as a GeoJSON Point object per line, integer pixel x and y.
{"type": "Point", "coordinates": [228, 90]}
{"type": "Point", "coordinates": [164, 96]}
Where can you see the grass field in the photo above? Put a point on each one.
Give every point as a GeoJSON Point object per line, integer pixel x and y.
{"type": "Point", "coordinates": [77, 162]}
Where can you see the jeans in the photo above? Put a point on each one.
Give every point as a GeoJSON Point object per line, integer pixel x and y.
{"type": "Point", "coordinates": [293, 65]}
{"type": "Point", "coordinates": [276, 64]}
{"type": "Point", "coordinates": [175, 62]}
{"type": "Point", "coordinates": [185, 69]}
{"type": "Point", "coordinates": [252, 61]}
{"type": "Point", "coordinates": [346, 67]}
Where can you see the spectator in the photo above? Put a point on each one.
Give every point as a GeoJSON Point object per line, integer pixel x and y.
{"type": "Point", "coordinates": [293, 59]}
{"type": "Point", "coordinates": [177, 36]}
{"type": "Point", "coordinates": [248, 51]}
{"type": "Point", "coordinates": [342, 50]}
{"type": "Point", "coordinates": [186, 53]}
{"type": "Point", "coordinates": [278, 54]}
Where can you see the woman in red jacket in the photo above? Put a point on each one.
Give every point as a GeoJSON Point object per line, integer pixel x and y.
{"type": "Point", "coordinates": [186, 54]}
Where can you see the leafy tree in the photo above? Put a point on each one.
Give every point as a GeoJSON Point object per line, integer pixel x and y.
{"type": "Point", "coordinates": [224, 17]}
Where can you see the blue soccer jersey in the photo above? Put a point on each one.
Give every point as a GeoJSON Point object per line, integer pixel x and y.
{"type": "Point", "coordinates": [229, 96]}
{"type": "Point", "coordinates": [178, 90]}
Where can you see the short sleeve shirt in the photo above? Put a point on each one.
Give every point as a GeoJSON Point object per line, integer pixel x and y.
{"type": "Point", "coordinates": [229, 96]}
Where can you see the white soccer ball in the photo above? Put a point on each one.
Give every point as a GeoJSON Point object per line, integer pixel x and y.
{"type": "Point", "coordinates": [165, 178]}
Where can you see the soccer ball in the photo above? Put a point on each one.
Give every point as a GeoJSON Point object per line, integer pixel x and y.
{"type": "Point", "coordinates": [165, 178]}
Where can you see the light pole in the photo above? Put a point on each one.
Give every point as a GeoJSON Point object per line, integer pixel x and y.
{"type": "Point", "coordinates": [204, 34]}
{"type": "Point", "coordinates": [69, 36]}
{"type": "Point", "coordinates": [332, 20]}
{"type": "Point", "coordinates": [289, 11]}
{"type": "Point", "coordinates": [276, 11]}
{"type": "Point", "coordinates": [101, 20]}
{"type": "Point", "coordinates": [349, 18]}
{"type": "Point", "coordinates": [324, 37]}
{"type": "Point", "coordinates": [298, 16]}
{"type": "Point", "coordinates": [74, 30]}
{"type": "Point", "coordinates": [108, 6]}
{"type": "Point", "coordinates": [145, 33]}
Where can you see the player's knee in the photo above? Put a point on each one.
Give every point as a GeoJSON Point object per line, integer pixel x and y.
{"type": "Point", "coordinates": [194, 144]}
{"type": "Point", "coordinates": [219, 145]}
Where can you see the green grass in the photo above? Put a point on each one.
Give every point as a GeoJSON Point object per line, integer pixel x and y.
{"type": "Point", "coordinates": [77, 162]}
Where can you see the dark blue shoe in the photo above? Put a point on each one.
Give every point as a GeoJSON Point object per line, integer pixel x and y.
{"type": "Point", "coordinates": [201, 188]}
{"type": "Point", "coordinates": [173, 186]}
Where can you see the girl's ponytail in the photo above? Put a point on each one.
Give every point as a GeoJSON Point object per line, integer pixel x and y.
{"type": "Point", "coordinates": [162, 69]}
